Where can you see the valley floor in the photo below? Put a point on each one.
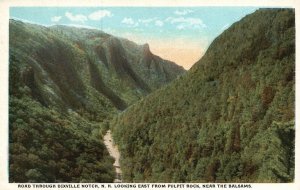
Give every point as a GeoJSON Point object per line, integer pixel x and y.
{"type": "Point", "coordinates": [114, 152]}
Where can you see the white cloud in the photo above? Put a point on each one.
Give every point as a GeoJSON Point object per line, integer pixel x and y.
{"type": "Point", "coordinates": [81, 26]}
{"type": "Point", "coordinates": [55, 18]}
{"type": "Point", "coordinates": [98, 15]}
{"type": "Point", "coordinates": [183, 12]}
{"type": "Point", "coordinates": [181, 27]}
{"type": "Point", "coordinates": [76, 18]}
{"type": "Point", "coordinates": [146, 21]}
{"type": "Point", "coordinates": [159, 23]}
{"type": "Point", "coordinates": [186, 23]}
{"type": "Point", "coordinates": [130, 22]}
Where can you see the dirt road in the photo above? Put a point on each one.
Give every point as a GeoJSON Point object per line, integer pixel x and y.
{"type": "Point", "coordinates": [114, 152]}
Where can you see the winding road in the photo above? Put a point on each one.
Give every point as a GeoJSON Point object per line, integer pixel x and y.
{"type": "Point", "coordinates": [114, 152]}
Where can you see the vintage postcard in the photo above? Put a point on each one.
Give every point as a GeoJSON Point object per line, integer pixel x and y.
{"type": "Point", "coordinates": [153, 95]}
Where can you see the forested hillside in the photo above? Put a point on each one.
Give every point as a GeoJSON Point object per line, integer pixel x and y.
{"type": "Point", "coordinates": [229, 119]}
{"type": "Point", "coordinates": [65, 83]}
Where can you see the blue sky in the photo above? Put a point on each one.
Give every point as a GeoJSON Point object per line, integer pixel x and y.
{"type": "Point", "coordinates": [180, 34]}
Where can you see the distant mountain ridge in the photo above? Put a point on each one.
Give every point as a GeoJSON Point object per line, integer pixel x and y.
{"type": "Point", "coordinates": [73, 58]}
{"type": "Point", "coordinates": [229, 119]}
{"type": "Point", "coordinates": [136, 59]}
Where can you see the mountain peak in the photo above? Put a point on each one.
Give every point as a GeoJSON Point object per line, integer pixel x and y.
{"type": "Point", "coordinates": [146, 50]}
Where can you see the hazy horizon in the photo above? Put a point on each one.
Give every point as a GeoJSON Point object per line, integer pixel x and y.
{"type": "Point", "coordinates": [179, 34]}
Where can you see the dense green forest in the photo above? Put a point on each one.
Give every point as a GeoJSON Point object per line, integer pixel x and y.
{"type": "Point", "coordinates": [65, 83]}
{"type": "Point", "coordinates": [229, 119]}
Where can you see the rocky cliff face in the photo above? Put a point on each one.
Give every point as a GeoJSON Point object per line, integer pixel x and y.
{"type": "Point", "coordinates": [65, 84]}
{"type": "Point", "coordinates": [68, 67]}
{"type": "Point", "coordinates": [229, 119]}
